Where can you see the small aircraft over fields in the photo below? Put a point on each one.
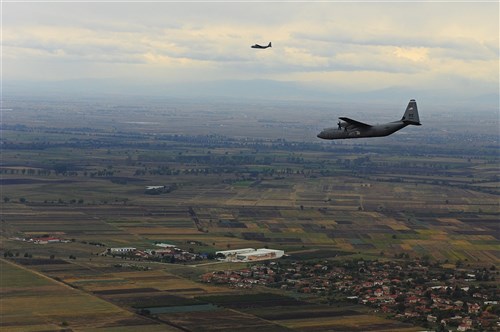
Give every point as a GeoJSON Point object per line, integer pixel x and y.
{"type": "Point", "coordinates": [354, 129]}
{"type": "Point", "coordinates": [262, 47]}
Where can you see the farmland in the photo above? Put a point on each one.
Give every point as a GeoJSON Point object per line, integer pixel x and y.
{"type": "Point", "coordinates": [31, 301]}
{"type": "Point", "coordinates": [235, 178]}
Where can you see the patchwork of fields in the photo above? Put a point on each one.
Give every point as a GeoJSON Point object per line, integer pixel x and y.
{"type": "Point", "coordinates": [314, 201]}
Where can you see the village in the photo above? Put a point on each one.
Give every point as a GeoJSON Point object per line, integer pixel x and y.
{"type": "Point", "coordinates": [169, 253]}
{"type": "Point", "coordinates": [429, 296]}
{"type": "Point", "coordinates": [442, 296]}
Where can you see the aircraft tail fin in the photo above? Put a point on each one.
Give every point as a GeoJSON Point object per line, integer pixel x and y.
{"type": "Point", "coordinates": [269, 45]}
{"type": "Point", "coordinates": [411, 114]}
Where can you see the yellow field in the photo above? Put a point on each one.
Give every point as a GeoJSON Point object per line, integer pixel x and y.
{"type": "Point", "coordinates": [26, 306]}
{"type": "Point", "coordinates": [156, 279]}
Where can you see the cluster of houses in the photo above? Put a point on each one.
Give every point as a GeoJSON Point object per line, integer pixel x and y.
{"type": "Point", "coordinates": [165, 253]}
{"type": "Point", "coordinates": [410, 292]}
{"type": "Point", "coordinates": [41, 240]}
{"type": "Point", "coordinates": [245, 278]}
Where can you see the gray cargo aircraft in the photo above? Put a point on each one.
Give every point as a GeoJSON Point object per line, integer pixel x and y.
{"type": "Point", "coordinates": [355, 129]}
{"type": "Point", "coordinates": [261, 47]}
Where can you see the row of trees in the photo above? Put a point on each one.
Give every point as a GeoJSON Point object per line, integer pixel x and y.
{"type": "Point", "coordinates": [7, 199]}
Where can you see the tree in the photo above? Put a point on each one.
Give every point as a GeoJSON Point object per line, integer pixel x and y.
{"type": "Point", "coordinates": [441, 328]}
{"type": "Point", "coordinates": [400, 307]}
{"type": "Point", "coordinates": [144, 312]}
{"type": "Point", "coordinates": [425, 260]}
{"type": "Point", "coordinates": [60, 168]}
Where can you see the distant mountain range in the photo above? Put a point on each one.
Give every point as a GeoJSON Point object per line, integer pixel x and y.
{"type": "Point", "coordinates": [242, 90]}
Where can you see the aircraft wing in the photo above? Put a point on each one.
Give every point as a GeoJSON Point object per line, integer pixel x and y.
{"type": "Point", "coordinates": [355, 123]}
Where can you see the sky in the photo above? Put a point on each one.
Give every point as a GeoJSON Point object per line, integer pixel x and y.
{"type": "Point", "coordinates": [450, 47]}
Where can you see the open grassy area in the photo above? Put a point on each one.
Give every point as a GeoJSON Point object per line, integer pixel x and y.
{"type": "Point", "coordinates": [31, 301]}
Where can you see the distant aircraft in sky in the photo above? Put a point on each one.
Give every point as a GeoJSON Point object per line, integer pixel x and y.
{"type": "Point", "coordinates": [262, 47]}
{"type": "Point", "coordinates": [355, 129]}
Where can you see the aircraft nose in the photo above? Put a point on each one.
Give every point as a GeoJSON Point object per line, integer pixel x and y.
{"type": "Point", "coordinates": [320, 135]}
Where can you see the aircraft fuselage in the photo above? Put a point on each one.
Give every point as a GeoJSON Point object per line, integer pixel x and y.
{"type": "Point", "coordinates": [354, 132]}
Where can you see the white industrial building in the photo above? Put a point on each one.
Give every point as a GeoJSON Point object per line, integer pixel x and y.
{"type": "Point", "coordinates": [165, 245]}
{"type": "Point", "coordinates": [250, 254]}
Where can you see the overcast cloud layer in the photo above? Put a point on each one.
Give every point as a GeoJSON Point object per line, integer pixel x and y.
{"type": "Point", "coordinates": [358, 46]}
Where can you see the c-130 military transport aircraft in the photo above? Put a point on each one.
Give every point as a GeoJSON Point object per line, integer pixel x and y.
{"type": "Point", "coordinates": [355, 129]}
{"type": "Point", "coordinates": [262, 47]}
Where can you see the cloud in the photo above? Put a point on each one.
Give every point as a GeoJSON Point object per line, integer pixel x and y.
{"type": "Point", "coordinates": [357, 45]}
{"type": "Point", "coordinates": [416, 54]}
